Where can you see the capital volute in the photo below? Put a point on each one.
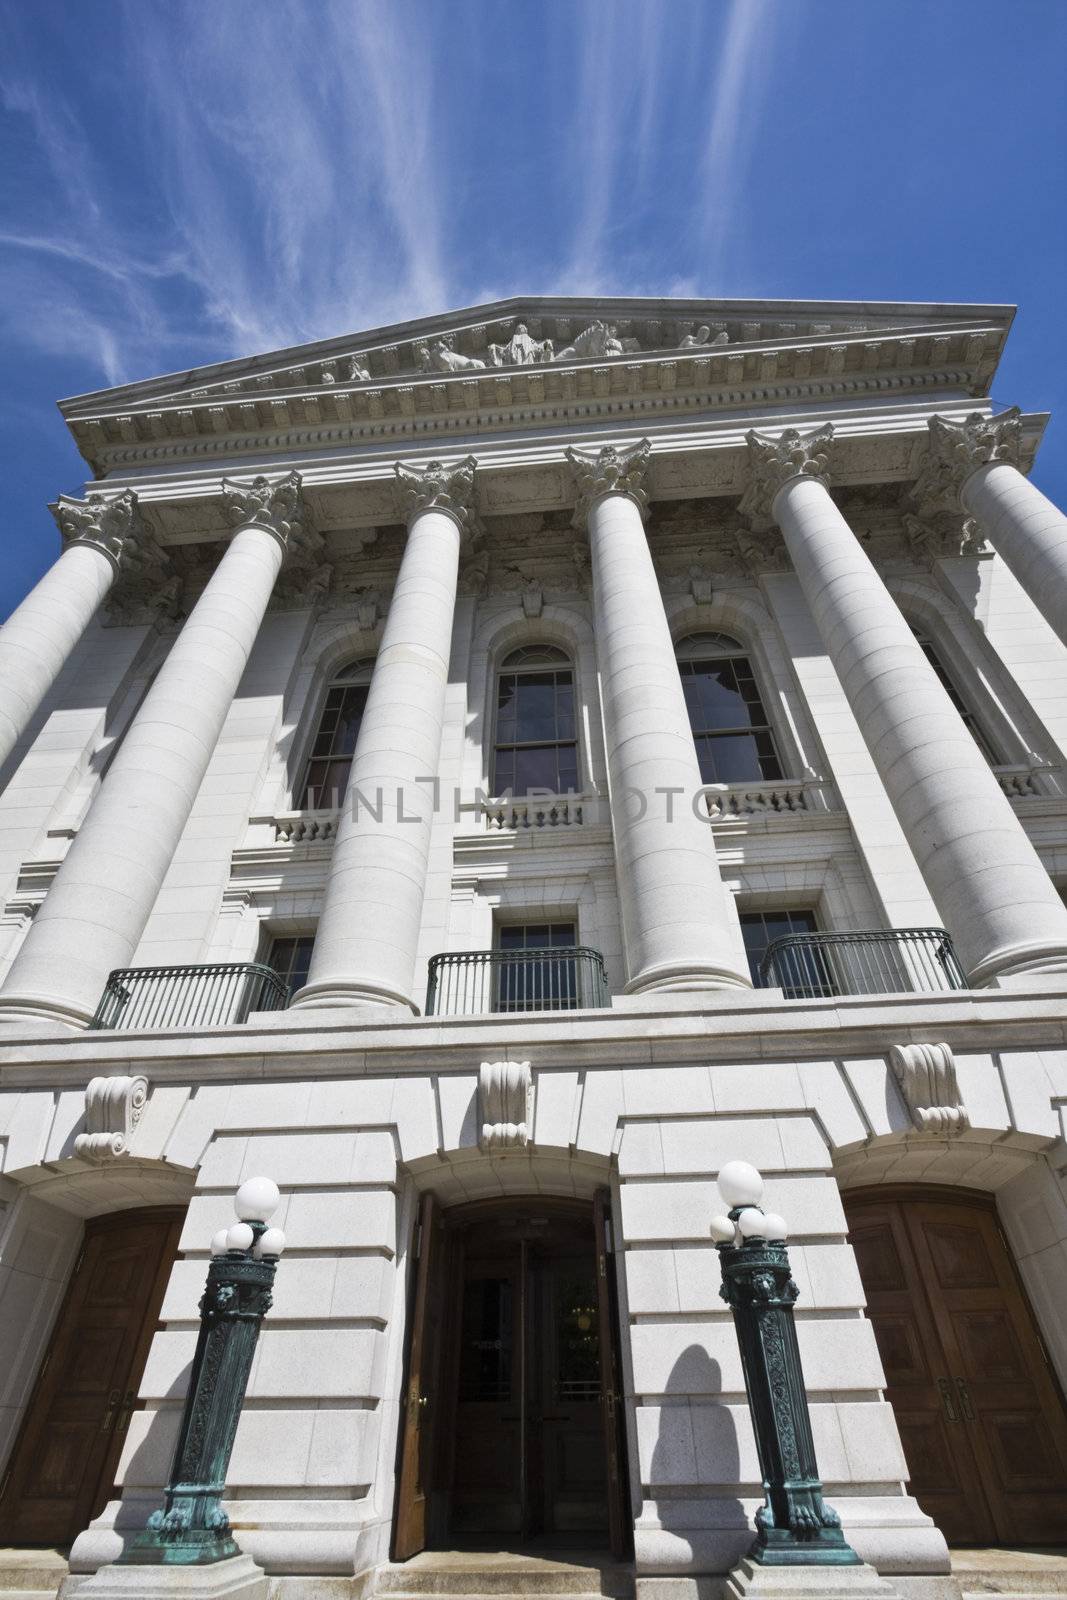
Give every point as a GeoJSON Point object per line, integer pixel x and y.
{"type": "Point", "coordinates": [610, 470]}
{"type": "Point", "coordinates": [111, 524]}
{"type": "Point", "coordinates": [440, 486]}
{"type": "Point", "coordinates": [274, 504]}
{"type": "Point", "coordinates": [774, 461]}
{"type": "Point", "coordinates": [958, 449]}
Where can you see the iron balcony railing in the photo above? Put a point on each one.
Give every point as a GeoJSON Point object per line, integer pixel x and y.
{"type": "Point", "coordinates": [896, 961]}
{"type": "Point", "coordinates": [138, 998]}
{"type": "Point", "coordinates": [473, 982]}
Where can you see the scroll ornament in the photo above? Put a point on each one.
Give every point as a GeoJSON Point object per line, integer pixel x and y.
{"type": "Point", "coordinates": [926, 1077]}
{"type": "Point", "coordinates": [505, 1102]}
{"type": "Point", "coordinates": [113, 1108]}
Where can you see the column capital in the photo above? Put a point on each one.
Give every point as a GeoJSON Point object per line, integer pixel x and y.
{"type": "Point", "coordinates": [274, 504]}
{"type": "Point", "coordinates": [956, 449]}
{"type": "Point", "coordinates": [773, 461]}
{"type": "Point", "coordinates": [610, 470]}
{"type": "Point", "coordinates": [109, 523]}
{"type": "Point", "coordinates": [439, 486]}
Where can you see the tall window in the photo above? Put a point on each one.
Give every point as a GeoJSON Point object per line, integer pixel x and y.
{"type": "Point", "coordinates": [730, 727]}
{"type": "Point", "coordinates": [290, 958]}
{"type": "Point", "coordinates": [326, 774]}
{"type": "Point", "coordinates": [971, 722]}
{"type": "Point", "coordinates": [534, 977]}
{"type": "Point", "coordinates": [536, 733]}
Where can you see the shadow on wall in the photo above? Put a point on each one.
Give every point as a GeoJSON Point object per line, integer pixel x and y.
{"type": "Point", "coordinates": [695, 1464]}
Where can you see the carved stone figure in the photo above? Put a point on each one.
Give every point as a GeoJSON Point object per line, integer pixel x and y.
{"type": "Point", "coordinates": [521, 350]}
{"type": "Point", "coordinates": [353, 370]}
{"type": "Point", "coordinates": [597, 340]}
{"type": "Point", "coordinates": [440, 357]}
{"type": "Point", "coordinates": [691, 341]}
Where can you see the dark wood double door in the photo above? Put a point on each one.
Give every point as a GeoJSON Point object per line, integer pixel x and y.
{"type": "Point", "coordinates": [980, 1413]}
{"type": "Point", "coordinates": [62, 1467]}
{"type": "Point", "coordinates": [512, 1421]}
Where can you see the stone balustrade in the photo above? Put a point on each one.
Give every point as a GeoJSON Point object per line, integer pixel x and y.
{"type": "Point", "coordinates": [542, 811]}
{"type": "Point", "coordinates": [784, 797]}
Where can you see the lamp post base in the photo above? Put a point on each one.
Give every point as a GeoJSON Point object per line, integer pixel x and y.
{"type": "Point", "coordinates": [752, 1580]}
{"type": "Point", "coordinates": [237, 1578]}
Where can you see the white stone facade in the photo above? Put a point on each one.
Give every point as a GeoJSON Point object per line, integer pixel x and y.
{"type": "Point", "coordinates": [193, 849]}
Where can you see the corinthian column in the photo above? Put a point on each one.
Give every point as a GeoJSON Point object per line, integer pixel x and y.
{"type": "Point", "coordinates": [974, 465]}
{"type": "Point", "coordinates": [102, 532]}
{"type": "Point", "coordinates": [367, 938]}
{"type": "Point", "coordinates": [679, 930]}
{"type": "Point", "coordinates": [96, 910]}
{"type": "Point", "coordinates": [996, 899]}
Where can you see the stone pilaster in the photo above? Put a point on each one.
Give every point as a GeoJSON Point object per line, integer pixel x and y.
{"type": "Point", "coordinates": [96, 910]}
{"type": "Point", "coordinates": [995, 897]}
{"type": "Point", "coordinates": [679, 927]}
{"type": "Point", "coordinates": [367, 938]}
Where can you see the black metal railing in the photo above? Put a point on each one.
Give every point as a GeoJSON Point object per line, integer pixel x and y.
{"type": "Point", "coordinates": [894, 961]}
{"type": "Point", "coordinates": [138, 998]}
{"type": "Point", "coordinates": [473, 982]}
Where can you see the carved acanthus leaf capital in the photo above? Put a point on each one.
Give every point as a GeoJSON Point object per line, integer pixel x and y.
{"type": "Point", "coordinates": [957, 449]}
{"type": "Point", "coordinates": [610, 470]}
{"type": "Point", "coordinates": [273, 504]}
{"type": "Point", "coordinates": [112, 524]}
{"type": "Point", "coordinates": [774, 461]}
{"type": "Point", "coordinates": [439, 486]}
{"type": "Point", "coordinates": [926, 1077]}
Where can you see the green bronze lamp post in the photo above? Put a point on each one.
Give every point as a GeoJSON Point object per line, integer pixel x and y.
{"type": "Point", "coordinates": [192, 1529]}
{"type": "Point", "coordinates": [794, 1527]}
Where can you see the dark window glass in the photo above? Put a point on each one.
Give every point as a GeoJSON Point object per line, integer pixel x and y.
{"type": "Point", "coordinates": [730, 728]}
{"type": "Point", "coordinates": [485, 1363]}
{"type": "Point", "coordinates": [577, 1338]}
{"type": "Point", "coordinates": [760, 928]}
{"type": "Point", "coordinates": [326, 776]}
{"type": "Point", "coordinates": [971, 722]}
{"type": "Point", "coordinates": [542, 982]}
{"type": "Point", "coordinates": [536, 731]}
{"type": "Point", "coordinates": [291, 959]}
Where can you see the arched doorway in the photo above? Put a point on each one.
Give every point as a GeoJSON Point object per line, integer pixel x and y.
{"type": "Point", "coordinates": [63, 1463]}
{"type": "Point", "coordinates": [512, 1426]}
{"type": "Point", "coordinates": [981, 1416]}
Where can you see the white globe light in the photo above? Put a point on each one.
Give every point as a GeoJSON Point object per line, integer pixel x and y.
{"type": "Point", "coordinates": [752, 1223]}
{"type": "Point", "coordinates": [257, 1200]}
{"type": "Point", "coordinates": [218, 1242]}
{"type": "Point", "coordinates": [239, 1236]}
{"type": "Point", "coordinates": [740, 1184]}
{"type": "Point", "coordinates": [722, 1230]}
{"type": "Point", "coordinates": [270, 1243]}
{"type": "Point", "coordinates": [774, 1227]}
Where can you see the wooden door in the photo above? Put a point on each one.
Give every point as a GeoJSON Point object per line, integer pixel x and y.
{"type": "Point", "coordinates": [489, 1477]}
{"type": "Point", "coordinates": [418, 1424]}
{"type": "Point", "coordinates": [62, 1468]}
{"type": "Point", "coordinates": [567, 1441]}
{"type": "Point", "coordinates": [610, 1377]}
{"type": "Point", "coordinates": [981, 1417]}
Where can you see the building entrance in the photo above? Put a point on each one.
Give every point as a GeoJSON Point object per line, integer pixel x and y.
{"type": "Point", "coordinates": [63, 1465]}
{"type": "Point", "coordinates": [980, 1413]}
{"type": "Point", "coordinates": [512, 1419]}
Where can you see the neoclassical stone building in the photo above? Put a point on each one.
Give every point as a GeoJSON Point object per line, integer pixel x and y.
{"type": "Point", "coordinates": [484, 774]}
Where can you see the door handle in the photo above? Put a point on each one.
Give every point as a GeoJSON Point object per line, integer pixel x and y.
{"type": "Point", "coordinates": [113, 1400]}
{"type": "Point", "coordinates": [965, 1400]}
{"type": "Point", "coordinates": [126, 1413]}
{"type": "Point", "coordinates": [945, 1387]}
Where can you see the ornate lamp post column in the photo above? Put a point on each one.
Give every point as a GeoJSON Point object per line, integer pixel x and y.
{"type": "Point", "coordinates": [795, 1527]}
{"type": "Point", "coordinates": [192, 1529]}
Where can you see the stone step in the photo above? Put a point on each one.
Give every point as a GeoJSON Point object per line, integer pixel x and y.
{"type": "Point", "coordinates": [1010, 1574]}
{"type": "Point", "coordinates": [37, 1573]}
{"type": "Point", "coordinates": [483, 1577]}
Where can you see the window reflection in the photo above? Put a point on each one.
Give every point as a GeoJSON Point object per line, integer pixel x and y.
{"type": "Point", "coordinates": [733, 737]}
{"type": "Point", "coordinates": [536, 731]}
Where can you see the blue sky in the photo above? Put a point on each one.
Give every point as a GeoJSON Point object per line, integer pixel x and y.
{"type": "Point", "coordinates": [188, 180]}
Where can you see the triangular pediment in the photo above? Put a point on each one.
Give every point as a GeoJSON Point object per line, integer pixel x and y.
{"type": "Point", "coordinates": [531, 352]}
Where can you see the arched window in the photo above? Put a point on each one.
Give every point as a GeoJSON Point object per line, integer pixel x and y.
{"type": "Point", "coordinates": [730, 727]}
{"type": "Point", "coordinates": [971, 722]}
{"type": "Point", "coordinates": [536, 733]}
{"type": "Point", "coordinates": [325, 776]}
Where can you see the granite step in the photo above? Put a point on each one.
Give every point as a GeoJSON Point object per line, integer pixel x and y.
{"type": "Point", "coordinates": [484, 1575]}
{"type": "Point", "coordinates": [34, 1573]}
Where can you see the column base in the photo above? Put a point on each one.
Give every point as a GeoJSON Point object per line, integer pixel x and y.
{"type": "Point", "coordinates": [339, 994]}
{"type": "Point", "coordinates": [684, 978]}
{"type": "Point", "coordinates": [750, 1580]}
{"type": "Point", "coordinates": [34, 1015]}
{"type": "Point", "coordinates": [1017, 960]}
{"type": "Point", "coordinates": [237, 1578]}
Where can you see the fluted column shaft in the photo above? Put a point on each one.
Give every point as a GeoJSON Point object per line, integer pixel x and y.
{"type": "Point", "coordinates": [977, 463]}
{"type": "Point", "coordinates": [675, 913]}
{"type": "Point", "coordinates": [40, 634]}
{"type": "Point", "coordinates": [995, 897]}
{"type": "Point", "coordinates": [366, 943]}
{"type": "Point", "coordinates": [97, 907]}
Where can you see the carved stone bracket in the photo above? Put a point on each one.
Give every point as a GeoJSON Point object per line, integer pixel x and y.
{"type": "Point", "coordinates": [533, 598]}
{"type": "Point", "coordinates": [113, 1108]}
{"type": "Point", "coordinates": [112, 524]}
{"type": "Point", "coordinates": [441, 487]}
{"type": "Point", "coordinates": [773, 461]}
{"type": "Point", "coordinates": [505, 1104]}
{"type": "Point", "coordinates": [926, 1076]}
{"type": "Point", "coordinates": [610, 471]}
{"type": "Point", "coordinates": [956, 449]}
